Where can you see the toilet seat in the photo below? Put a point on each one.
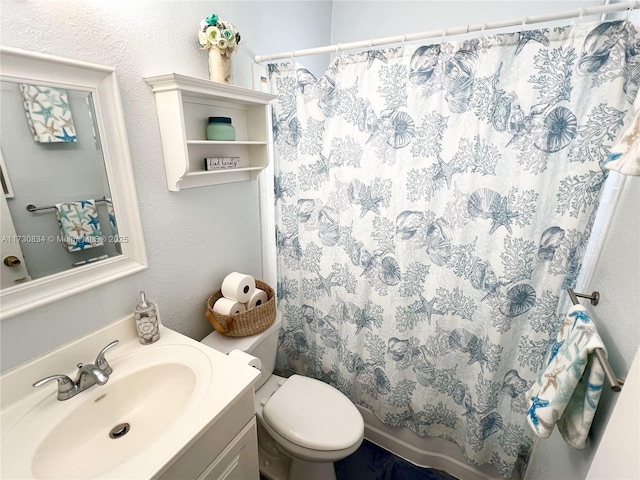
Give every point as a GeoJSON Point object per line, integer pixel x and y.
{"type": "Point", "coordinates": [313, 415]}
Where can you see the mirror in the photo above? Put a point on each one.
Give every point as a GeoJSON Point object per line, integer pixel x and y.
{"type": "Point", "coordinates": [52, 155]}
{"type": "Point", "coordinates": [70, 218]}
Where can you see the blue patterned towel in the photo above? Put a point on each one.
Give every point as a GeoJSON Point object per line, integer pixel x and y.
{"type": "Point", "coordinates": [625, 154]}
{"type": "Point", "coordinates": [112, 216]}
{"type": "Point", "coordinates": [568, 390]}
{"type": "Point", "coordinates": [79, 225]}
{"type": "Point", "coordinates": [48, 113]}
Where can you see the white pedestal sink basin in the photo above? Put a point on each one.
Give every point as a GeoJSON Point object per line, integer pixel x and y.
{"type": "Point", "coordinates": [157, 400]}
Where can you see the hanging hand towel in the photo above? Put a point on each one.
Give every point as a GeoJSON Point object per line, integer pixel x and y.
{"type": "Point", "coordinates": [48, 113]}
{"type": "Point", "coordinates": [625, 154]}
{"type": "Point", "coordinates": [568, 390]}
{"type": "Point", "coordinates": [79, 225]}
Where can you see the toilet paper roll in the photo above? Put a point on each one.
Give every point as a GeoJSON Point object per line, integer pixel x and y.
{"type": "Point", "coordinates": [246, 358]}
{"type": "Point", "coordinates": [258, 298]}
{"type": "Point", "coordinates": [227, 306]}
{"type": "Point", "coordinates": [238, 286]}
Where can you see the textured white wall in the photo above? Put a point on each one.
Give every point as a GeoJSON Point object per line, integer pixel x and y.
{"type": "Point", "coordinates": [361, 20]}
{"type": "Point", "coordinates": [193, 237]}
{"type": "Point", "coordinates": [619, 441]}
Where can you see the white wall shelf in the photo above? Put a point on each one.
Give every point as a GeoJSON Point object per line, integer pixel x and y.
{"type": "Point", "coordinates": [184, 105]}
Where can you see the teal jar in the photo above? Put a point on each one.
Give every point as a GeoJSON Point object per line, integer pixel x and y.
{"type": "Point", "coordinates": [220, 128]}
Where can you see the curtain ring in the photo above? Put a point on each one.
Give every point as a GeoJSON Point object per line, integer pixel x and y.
{"type": "Point", "coordinates": [524, 22]}
{"type": "Point", "coordinates": [370, 43]}
{"type": "Point", "coordinates": [484, 25]}
{"type": "Point", "coordinates": [575, 22]}
{"type": "Point", "coordinates": [338, 48]}
{"type": "Point", "coordinates": [467, 28]}
{"type": "Point", "coordinates": [579, 19]}
{"type": "Point", "coordinates": [629, 10]}
{"type": "Point", "coordinates": [444, 32]}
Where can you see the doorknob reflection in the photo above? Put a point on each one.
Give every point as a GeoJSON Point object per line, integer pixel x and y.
{"type": "Point", "coordinates": [12, 261]}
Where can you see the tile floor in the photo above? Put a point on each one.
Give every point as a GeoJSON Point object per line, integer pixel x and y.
{"type": "Point", "coordinates": [371, 462]}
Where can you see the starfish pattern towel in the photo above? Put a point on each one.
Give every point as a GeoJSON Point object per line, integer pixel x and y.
{"type": "Point", "coordinates": [567, 392]}
{"type": "Point", "coordinates": [48, 113]}
{"type": "Point", "coordinates": [112, 216]}
{"type": "Point", "coordinates": [625, 154]}
{"type": "Point", "coordinates": [79, 225]}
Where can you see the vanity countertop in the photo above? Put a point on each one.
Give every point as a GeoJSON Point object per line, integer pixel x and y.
{"type": "Point", "coordinates": [30, 416]}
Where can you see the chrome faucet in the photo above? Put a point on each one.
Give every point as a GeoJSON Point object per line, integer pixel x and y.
{"type": "Point", "coordinates": [88, 375]}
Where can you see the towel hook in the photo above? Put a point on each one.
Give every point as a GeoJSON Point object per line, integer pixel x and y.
{"type": "Point", "coordinates": [594, 297]}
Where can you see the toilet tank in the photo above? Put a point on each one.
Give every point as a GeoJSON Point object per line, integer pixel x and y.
{"type": "Point", "coordinates": [263, 346]}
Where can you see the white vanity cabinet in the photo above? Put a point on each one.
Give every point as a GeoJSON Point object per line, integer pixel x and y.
{"type": "Point", "coordinates": [190, 410]}
{"type": "Point", "coordinates": [184, 105]}
{"type": "Point", "coordinates": [226, 450]}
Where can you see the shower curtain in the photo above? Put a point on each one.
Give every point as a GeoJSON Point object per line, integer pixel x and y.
{"type": "Point", "coordinates": [432, 203]}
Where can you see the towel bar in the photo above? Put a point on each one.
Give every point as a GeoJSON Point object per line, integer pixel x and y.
{"type": "Point", "coordinates": [33, 208]}
{"type": "Point", "coordinates": [616, 383]}
{"type": "Point", "coordinates": [594, 297]}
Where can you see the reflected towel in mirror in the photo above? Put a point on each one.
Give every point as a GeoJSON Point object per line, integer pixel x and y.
{"type": "Point", "coordinates": [48, 113]}
{"type": "Point", "coordinates": [567, 392]}
{"type": "Point", "coordinates": [79, 225]}
{"type": "Point", "coordinates": [112, 217]}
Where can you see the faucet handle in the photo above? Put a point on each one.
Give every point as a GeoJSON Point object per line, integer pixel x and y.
{"type": "Point", "coordinates": [66, 386]}
{"type": "Point", "coordinates": [101, 361]}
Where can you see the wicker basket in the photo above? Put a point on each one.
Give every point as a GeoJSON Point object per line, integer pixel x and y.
{"type": "Point", "coordinates": [247, 323]}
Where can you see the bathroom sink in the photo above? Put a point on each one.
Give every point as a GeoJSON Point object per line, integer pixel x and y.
{"type": "Point", "coordinates": [115, 422]}
{"type": "Point", "coordinates": [157, 400]}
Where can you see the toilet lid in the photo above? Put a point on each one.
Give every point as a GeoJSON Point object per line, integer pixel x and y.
{"type": "Point", "coordinates": [314, 415]}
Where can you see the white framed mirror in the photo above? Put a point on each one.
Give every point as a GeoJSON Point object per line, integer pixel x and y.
{"type": "Point", "coordinates": [51, 164]}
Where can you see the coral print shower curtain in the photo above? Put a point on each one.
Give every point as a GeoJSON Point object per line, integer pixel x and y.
{"type": "Point", "coordinates": [432, 203]}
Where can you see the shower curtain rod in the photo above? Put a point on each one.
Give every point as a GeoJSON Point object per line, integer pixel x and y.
{"type": "Point", "coordinates": [480, 27]}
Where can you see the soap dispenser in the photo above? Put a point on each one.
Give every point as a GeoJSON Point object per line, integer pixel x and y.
{"type": "Point", "coordinates": [146, 315]}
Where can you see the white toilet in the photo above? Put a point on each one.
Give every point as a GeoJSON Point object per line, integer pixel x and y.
{"type": "Point", "coordinates": [304, 425]}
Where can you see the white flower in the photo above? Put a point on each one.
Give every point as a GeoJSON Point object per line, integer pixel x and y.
{"type": "Point", "coordinates": [202, 38]}
{"type": "Point", "coordinates": [218, 33]}
{"type": "Point", "coordinates": [213, 34]}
